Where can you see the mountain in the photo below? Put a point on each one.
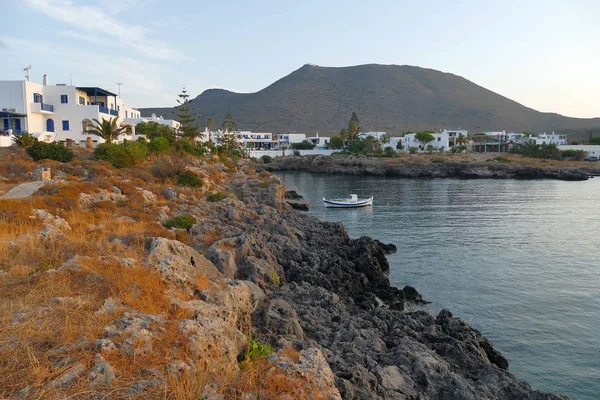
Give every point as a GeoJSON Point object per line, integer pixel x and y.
{"type": "Point", "coordinates": [387, 98]}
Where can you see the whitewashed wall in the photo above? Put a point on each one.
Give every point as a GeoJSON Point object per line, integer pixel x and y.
{"type": "Point", "coordinates": [591, 150]}
{"type": "Point", "coordinates": [289, 152]}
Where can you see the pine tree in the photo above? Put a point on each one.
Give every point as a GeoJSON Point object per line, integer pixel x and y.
{"type": "Point", "coordinates": [230, 144]}
{"type": "Point", "coordinates": [188, 130]}
{"type": "Point", "coordinates": [353, 126]}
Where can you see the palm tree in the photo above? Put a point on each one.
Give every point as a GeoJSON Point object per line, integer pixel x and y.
{"type": "Point", "coordinates": [461, 140]}
{"type": "Point", "coordinates": [107, 129]}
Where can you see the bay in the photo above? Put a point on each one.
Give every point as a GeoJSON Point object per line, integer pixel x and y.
{"type": "Point", "coordinates": [518, 260]}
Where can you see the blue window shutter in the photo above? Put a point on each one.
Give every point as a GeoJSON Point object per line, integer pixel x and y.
{"type": "Point", "coordinates": [64, 99]}
{"type": "Point", "coordinates": [6, 127]}
{"type": "Point", "coordinates": [65, 125]}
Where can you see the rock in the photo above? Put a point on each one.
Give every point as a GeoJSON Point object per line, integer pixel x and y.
{"type": "Point", "coordinates": [391, 378]}
{"type": "Point", "coordinates": [54, 226]}
{"type": "Point", "coordinates": [147, 195]}
{"type": "Point", "coordinates": [68, 378]}
{"type": "Point", "coordinates": [387, 248]}
{"type": "Point", "coordinates": [102, 373]}
{"type": "Point", "coordinates": [280, 319]}
{"type": "Point", "coordinates": [170, 193]}
{"type": "Point", "coordinates": [87, 201]}
{"type": "Point", "coordinates": [296, 201]}
{"type": "Point", "coordinates": [176, 261]}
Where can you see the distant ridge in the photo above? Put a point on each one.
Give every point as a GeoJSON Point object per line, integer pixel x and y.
{"type": "Point", "coordinates": [388, 98]}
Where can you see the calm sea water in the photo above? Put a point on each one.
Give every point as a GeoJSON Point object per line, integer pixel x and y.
{"type": "Point", "coordinates": [519, 260]}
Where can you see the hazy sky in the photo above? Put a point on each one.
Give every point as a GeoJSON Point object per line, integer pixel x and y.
{"type": "Point", "coordinates": [543, 54]}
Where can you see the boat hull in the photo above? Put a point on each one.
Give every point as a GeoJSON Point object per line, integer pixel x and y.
{"type": "Point", "coordinates": [345, 204]}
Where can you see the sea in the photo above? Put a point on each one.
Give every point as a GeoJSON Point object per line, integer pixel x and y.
{"type": "Point", "coordinates": [519, 260]}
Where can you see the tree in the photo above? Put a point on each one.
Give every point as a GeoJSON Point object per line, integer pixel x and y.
{"type": "Point", "coordinates": [461, 140]}
{"type": "Point", "coordinates": [209, 123]}
{"type": "Point", "coordinates": [336, 142]}
{"type": "Point", "coordinates": [424, 137]}
{"type": "Point", "coordinates": [188, 129]}
{"type": "Point", "coordinates": [304, 145]}
{"type": "Point", "coordinates": [153, 130]}
{"type": "Point", "coordinates": [25, 139]}
{"type": "Point", "coordinates": [595, 140]}
{"type": "Point", "coordinates": [353, 126]}
{"type": "Point", "coordinates": [229, 143]}
{"type": "Point", "coordinates": [107, 129]}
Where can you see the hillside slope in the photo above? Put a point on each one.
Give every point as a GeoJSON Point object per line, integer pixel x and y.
{"type": "Point", "coordinates": [386, 97]}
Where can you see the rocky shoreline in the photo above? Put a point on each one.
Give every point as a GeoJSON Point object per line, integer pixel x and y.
{"type": "Point", "coordinates": [335, 295]}
{"type": "Point", "coordinates": [443, 168]}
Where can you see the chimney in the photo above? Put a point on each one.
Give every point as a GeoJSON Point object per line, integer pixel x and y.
{"type": "Point", "coordinates": [45, 80]}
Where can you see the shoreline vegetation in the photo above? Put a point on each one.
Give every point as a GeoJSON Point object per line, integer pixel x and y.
{"type": "Point", "coordinates": [186, 276]}
{"type": "Point", "coordinates": [433, 166]}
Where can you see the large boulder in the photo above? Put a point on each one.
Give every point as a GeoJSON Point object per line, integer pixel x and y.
{"type": "Point", "coordinates": [178, 262]}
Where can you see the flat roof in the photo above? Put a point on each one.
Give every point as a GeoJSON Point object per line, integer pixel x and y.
{"type": "Point", "coordinates": [7, 114]}
{"type": "Point", "coordinates": [89, 90]}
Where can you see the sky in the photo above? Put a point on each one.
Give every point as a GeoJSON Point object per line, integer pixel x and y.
{"type": "Point", "coordinates": [543, 54]}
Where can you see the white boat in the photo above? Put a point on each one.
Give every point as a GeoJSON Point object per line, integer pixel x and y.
{"type": "Point", "coordinates": [350, 202]}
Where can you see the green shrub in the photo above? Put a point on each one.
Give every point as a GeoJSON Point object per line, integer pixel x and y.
{"type": "Point", "coordinates": [267, 159]}
{"type": "Point", "coordinates": [296, 152]}
{"type": "Point", "coordinates": [441, 150]}
{"type": "Point", "coordinates": [430, 149]}
{"type": "Point", "coordinates": [573, 154]}
{"type": "Point", "coordinates": [159, 145]}
{"type": "Point", "coordinates": [256, 351]}
{"type": "Point", "coordinates": [275, 278]}
{"type": "Point", "coordinates": [182, 222]}
{"type": "Point", "coordinates": [438, 161]}
{"type": "Point", "coordinates": [502, 159]}
{"type": "Point", "coordinates": [25, 139]}
{"type": "Point", "coordinates": [123, 155]}
{"type": "Point", "coordinates": [183, 146]}
{"type": "Point", "coordinates": [51, 151]}
{"type": "Point", "coordinates": [389, 152]}
{"type": "Point", "coordinates": [413, 150]}
{"type": "Point", "coordinates": [189, 179]}
{"type": "Point", "coordinates": [218, 196]}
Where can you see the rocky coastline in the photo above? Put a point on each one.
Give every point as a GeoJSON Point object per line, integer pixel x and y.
{"type": "Point", "coordinates": [176, 310]}
{"type": "Point", "coordinates": [437, 168]}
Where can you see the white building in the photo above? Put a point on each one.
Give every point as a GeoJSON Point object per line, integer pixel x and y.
{"type": "Point", "coordinates": [59, 112]}
{"type": "Point", "coordinates": [287, 139]}
{"type": "Point", "coordinates": [440, 141]}
{"type": "Point", "coordinates": [553, 138]}
{"type": "Point", "coordinates": [250, 140]}
{"type": "Point", "coordinates": [320, 142]}
{"type": "Point", "coordinates": [455, 134]}
{"type": "Point", "coordinates": [171, 123]}
{"type": "Point", "coordinates": [377, 135]}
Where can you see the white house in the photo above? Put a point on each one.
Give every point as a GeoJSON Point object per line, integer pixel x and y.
{"type": "Point", "coordinates": [440, 141]}
{"type": "Point", "coordinates": [171, 123]}
{"type": "Point", "coordinates": [251, 140]}
{"type": "Point", "coordinates": [287, 139]}
{"type": "Point", "coordinates": [320, 142]}
{"type": "Point", "coordinates": [377, 135]}
{"type": "Point", "coordinates": [59, 112]}
{"type": "Point", "coordinates": [455, 134]}
{"type": "Point", "coordinates": [553, 138]}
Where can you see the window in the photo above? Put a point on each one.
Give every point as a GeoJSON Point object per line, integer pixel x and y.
{"type": "Point", "coordinates": [37, 98]}
{"type": "Point", "coordinates": [439, 139]}
{"type": "Point", "coordinates": [65, 125]}
{"type": "Point", "coordinates": [125, 113]}
{"type": "Point", "coordinates": [64, 99]}
{"type": "Point", "coordinates": [82, 100]}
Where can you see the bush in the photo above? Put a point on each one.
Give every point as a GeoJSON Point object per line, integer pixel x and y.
{"type": "Point", "coordinates": [573, 154]}
{"type": "Point", "coordinates": [168, 167]}
{"type": "Point", "coordinates": [304, 145]}
{"type": "Point", "coordinates": [438, 161]}
{"type": "Point", "coordinates": [267, 159]}
{"type": "Point", "coordinates": [502, 159]}
{"type": "Point", "coordinates": [123, 155]}
{"type": "Point", "coordinates": [25, 139]}
{"type": "Point", "coordinates": [430, 149]}
{"type": "Point", "coordinates": [389, 152]}
{"type": "Point", "coordinates": [296, 152]}
{"type": "Point", "coordinates": [51, 151]}
{"type": "Point", "coordinates": [182, 222]}
{"type": "Point", "coordinates": [218, 196]}
{"type": "Point", "coordinates": [189, 179]}
{"type": "Point", "coordinates": [413, 150]}
{"type": "Point", "coordinates": [159, 145]}
{"type": "Point", "coordinates": [184, 146]}
{"type": "Point", "coordinates": [256, 351]}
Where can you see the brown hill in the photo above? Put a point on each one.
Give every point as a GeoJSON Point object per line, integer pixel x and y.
{"type": "Point", "coordinates": [386, 97]}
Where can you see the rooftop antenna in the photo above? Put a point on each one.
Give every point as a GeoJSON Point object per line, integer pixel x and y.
{"type": "Point", "coordinates": [27, 69]}
{"type": "Point", "coordinates": [119, 85]}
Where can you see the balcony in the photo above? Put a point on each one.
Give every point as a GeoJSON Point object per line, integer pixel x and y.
{"type": "Point", "coordinates": [42, 108]}
{"type": "Point", "coordinates": [114, 113]}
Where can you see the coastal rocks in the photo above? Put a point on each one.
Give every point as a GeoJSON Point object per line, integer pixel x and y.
{"type": "Point", "coordinates": [406, 169]}
{"type": "Point", "coordinates": [176, 261]}
{"type": "Point", "coordinates": [296, 201]}
{"type": "Point", "coordinates": [281, 320]}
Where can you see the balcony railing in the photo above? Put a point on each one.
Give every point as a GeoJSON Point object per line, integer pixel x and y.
{"type": "Point", "coordinates": [114, 112]}
{"type": "Point", "coordinates": [47, 107]}
{"type": "Point", "coordinates": [103, 109]}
